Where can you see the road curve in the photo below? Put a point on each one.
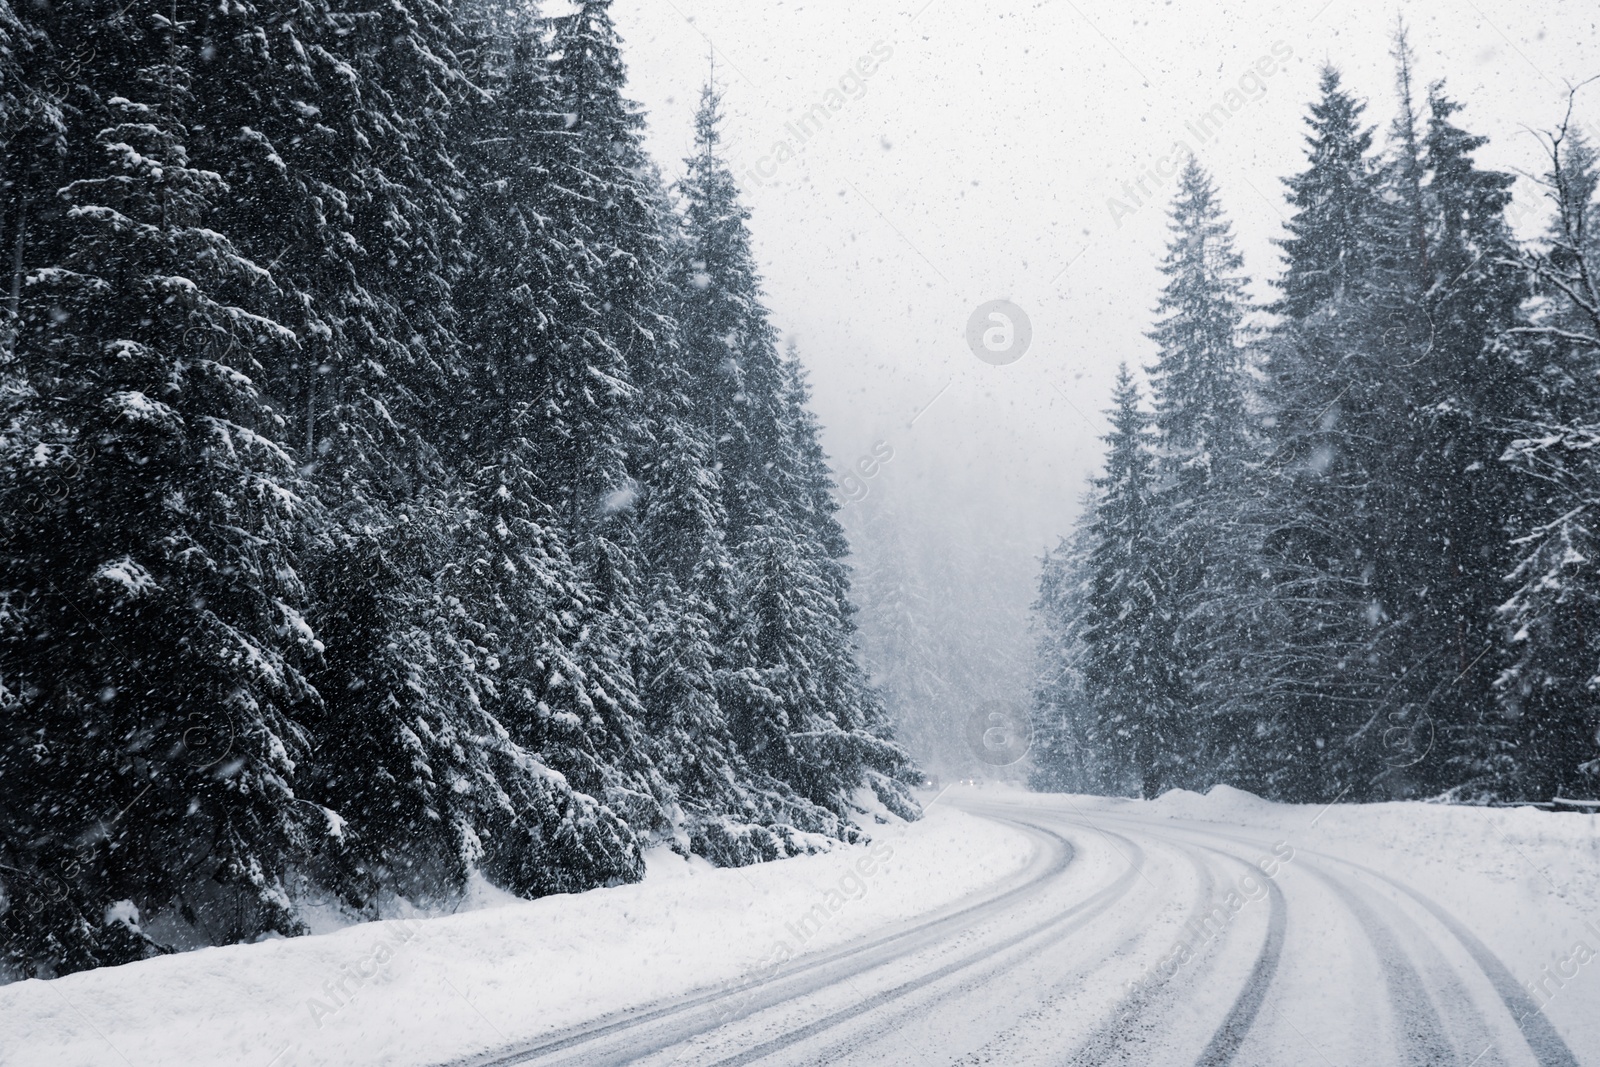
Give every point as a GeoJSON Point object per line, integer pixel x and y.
{"type": "Point", "coordinates": [1127, 939]}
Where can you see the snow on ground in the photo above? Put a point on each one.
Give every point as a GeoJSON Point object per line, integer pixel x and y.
{"type": "Point", "coordinates": [423, 991]}
{"type": "Point", "coordinates": [1525, 881]}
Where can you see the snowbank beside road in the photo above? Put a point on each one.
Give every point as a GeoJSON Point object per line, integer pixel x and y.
{"type": "Point", "coordinates": [417, 992]}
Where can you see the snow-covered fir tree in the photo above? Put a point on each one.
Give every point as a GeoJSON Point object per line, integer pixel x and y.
{"type": "Point", "coordinates": [1551, 735]}
{"type": "Point", "coordinates": [1126, 662]}
{"type": "Point", "coordinates": [800, 718]}
{"type": "Point", "coordinates": [1201, 442]}
{"type": "Point", "coordinates": [1331, 229]}
{"type": "Point", "coordinates": [1466, 384]}
{"type": "Point", "coordinates": [158, 653]}
{"type": "Point", "coordinates": [1330, 409]}
{"type": "Point", "coordinates": [1063, 757]}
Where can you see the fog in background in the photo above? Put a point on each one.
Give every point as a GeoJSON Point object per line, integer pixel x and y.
{"type": "Point", "coordinates": [977, 161]}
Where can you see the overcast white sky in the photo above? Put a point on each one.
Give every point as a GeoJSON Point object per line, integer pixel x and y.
{"type": "Point", "coordinates": [976, 163]}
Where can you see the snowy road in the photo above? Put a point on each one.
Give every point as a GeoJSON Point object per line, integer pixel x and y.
{"type": "Point", "coordinates": [1127, 939]}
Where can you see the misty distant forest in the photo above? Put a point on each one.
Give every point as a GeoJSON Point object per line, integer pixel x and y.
{"type": "Point", "coordinates": [1342, 545]}
{"type": "Point", "coordinates": [399, 483]}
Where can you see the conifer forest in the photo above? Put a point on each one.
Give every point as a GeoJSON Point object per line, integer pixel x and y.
{"type": "Point", "coordinates": [1340, 547]}
{"type": "Point", "coordinates": [398, 481]}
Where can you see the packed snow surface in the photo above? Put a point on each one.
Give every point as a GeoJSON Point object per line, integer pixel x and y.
{"type": "Point", "coordinates": [1005, 928]}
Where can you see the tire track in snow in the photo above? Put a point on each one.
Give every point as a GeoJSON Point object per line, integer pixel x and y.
{"type": "Point", "coordinates": [1422, 1031]}
{"type": "Point", "coordinates": [698, 1013]}
{"type": "Point", "coordinates": [1236, 1024]}
{"type": "Point", "coordinates": [1111, 1038]}
{"type": "Point", "coordinates": [1546, 1044]}
{"type": "Point", "coordinates": [1073, 919]}
{"type": "Point", "coordinates": [1228, 1037]}
{"type": "Point", "coordinates": [1002, 1046]}
{"type": "Point", "coordinates": [1543, 1040]}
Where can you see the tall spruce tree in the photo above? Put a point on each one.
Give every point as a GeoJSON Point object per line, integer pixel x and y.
{"type": "Point", "coordinates": [844, 730]}
{"type": "Point", "coordinates": [1201, 446]}
{"type": "Point", "coordinates": [539, 609]}
{"type": "Point", "coordinates": [1330, 231]}
{"type": "Point", "coordinates": [730, 352]}
{"type": "Point", "coordinates": [1317, 675]}
{"type": "Point", "coordinates": [1064, 757]}
{"type": "Point", "coordinates": [1547, 687]}
{"type": "Point", "coordinates": [404, 753]}
{"type": "Point", "coordinates": [796, 703]}
{"type": "Point", "coordinates": [160, 652]}
{"type": "Point", "coordinates": [606, 206]}
{"type": "Point", "coordinates": [1466, 389]}
{"type": "Point", "coordinates": [1125, 664]}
